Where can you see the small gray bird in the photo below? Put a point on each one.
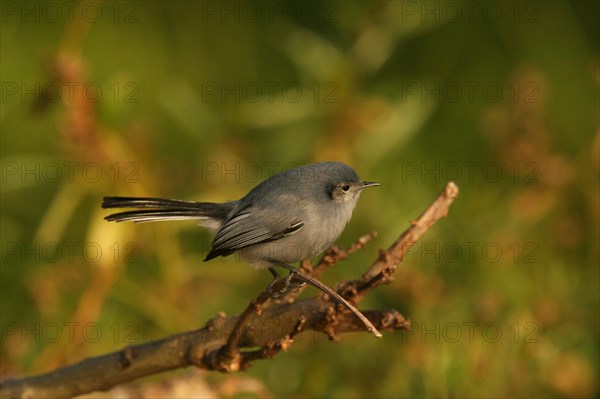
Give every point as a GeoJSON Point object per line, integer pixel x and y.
{"type": "Point", "coordinates": [287, 218]}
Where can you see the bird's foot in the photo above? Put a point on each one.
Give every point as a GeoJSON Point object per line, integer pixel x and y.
{"type": "Point", "coordinates": [289, 284]}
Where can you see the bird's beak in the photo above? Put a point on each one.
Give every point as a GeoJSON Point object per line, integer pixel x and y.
{"type": "Point", "coordinates": [366, 184]}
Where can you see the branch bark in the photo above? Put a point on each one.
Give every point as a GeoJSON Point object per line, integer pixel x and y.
{"type": "Point", "coordinates": [271, 328]}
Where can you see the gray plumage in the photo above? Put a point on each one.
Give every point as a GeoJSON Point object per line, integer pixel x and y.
{"type": "Point", "coordinates": [291, 216]}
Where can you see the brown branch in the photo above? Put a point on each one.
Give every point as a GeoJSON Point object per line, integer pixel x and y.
{"type": "Point", "coordinates": [270, 350]}
{"type": "Point", "coordinates": [275, 327]}
{"type": "Point", "coordinates": [272, 329]}
{"type": "Point", "coordinates": [334, 295]}
{"type": "Point", "coordinates": [229, 357]}
{"type": "Point", "coordinates": [381, 271]}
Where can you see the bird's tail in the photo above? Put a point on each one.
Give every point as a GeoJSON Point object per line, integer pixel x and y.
{"type": "Point", "coordinates": [159, 209]}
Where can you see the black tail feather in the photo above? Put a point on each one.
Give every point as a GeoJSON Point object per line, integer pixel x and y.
{"type": "Point", "coordinates": [154, 215]}
{"type": "Point", "coordinates": [148, 202]}
{"type": "Point", "coordinates": [165, 209]}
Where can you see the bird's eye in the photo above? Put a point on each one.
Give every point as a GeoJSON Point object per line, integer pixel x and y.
{"type": "Point", "coordinates": [345, 188]}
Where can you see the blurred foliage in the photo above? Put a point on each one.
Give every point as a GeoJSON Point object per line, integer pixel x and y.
{"type": "Point", "coordinates": [201, 100]}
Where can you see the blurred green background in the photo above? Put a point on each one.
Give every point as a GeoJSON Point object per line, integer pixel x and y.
{"type": "Point", "coordinates": [202, 100]}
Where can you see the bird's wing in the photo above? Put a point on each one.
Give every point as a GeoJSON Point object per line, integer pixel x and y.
{"type": "Point", "coordinates": [250, 226]}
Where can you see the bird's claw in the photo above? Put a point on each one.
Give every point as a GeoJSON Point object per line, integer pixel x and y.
{"type": "Point", "coordinates": [288, 285]}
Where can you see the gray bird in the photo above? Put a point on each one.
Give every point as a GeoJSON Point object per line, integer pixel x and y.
{"type": "Point", "coordinates": [287, 218]}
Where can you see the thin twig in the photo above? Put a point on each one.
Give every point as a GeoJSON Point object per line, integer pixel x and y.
{"type": "Point", "coordinates": [319, 285]}
{"type": "Point", "coordinates": [331, 257]}
{"type": "Point", "coordinates": [381, 271]}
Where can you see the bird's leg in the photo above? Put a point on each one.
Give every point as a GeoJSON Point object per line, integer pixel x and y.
{"type": "Point", "coordinates": [277, 277]}
{"type": "Point", "coordinates": [292, 272]}
{"type": "Point", "coordinates": [275, 273]}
